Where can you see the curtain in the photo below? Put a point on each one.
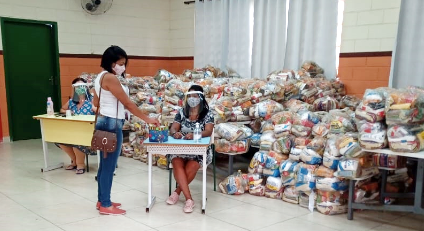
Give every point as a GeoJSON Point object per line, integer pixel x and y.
{"type": "Point", "coordinates": [312, 34]}
{"type": "Point", "coordinates": [222, 34]}
{"type": "Point", "coordinates": [408, 55]}
{"type": "Point", "coordinates": [269, 36]}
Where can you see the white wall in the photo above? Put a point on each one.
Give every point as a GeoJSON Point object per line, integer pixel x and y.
{"type": "Point", "coordinates": [369, 25]}
{"type": "Point", "coordinates": [182, 28]}
{"type": "Point", "coordinates": [141, 27]}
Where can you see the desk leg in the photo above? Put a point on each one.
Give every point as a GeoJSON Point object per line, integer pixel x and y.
{"type": "Point", "coordinates": [383, 186]}
{"type": "Point", "coordinates": [419, 187]}
{"type": "Point", "coordinates": [46, 153]}
{"type": "Point", "coordinates": [204, 184]}
{"type": "Point", "coordinates": [150, 199]}
{"type": "Point", "coordinates": [350, 200]}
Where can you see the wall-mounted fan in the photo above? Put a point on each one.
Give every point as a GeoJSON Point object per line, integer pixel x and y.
{"type": "Point", "coordinates": [96, 6]}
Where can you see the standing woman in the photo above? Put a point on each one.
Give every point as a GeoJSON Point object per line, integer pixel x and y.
{"type": "Point", "coordinates": [111, 118]}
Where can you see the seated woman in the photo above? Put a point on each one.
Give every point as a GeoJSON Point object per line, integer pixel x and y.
{"type": "Point", "coordinates": [80, 104]}
{"type": "Point", "coordinates": [195, 110]}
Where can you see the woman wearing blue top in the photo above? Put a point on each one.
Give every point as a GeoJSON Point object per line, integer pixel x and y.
{"type": "Point", "coordinates": [80, 104]}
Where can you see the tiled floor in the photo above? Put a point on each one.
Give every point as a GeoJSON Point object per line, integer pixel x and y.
{"type": "Point", "coordinates": [61, 200]}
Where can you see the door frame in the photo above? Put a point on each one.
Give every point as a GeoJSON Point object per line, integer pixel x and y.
{"type": "Point", "coordinates": [56, 77]}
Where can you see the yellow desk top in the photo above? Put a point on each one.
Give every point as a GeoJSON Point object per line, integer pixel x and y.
{"type": "Point", "coordinates": [83, 118]}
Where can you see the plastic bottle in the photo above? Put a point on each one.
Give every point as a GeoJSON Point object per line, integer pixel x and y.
{"type": "Point", "coordinates": [50, 110]}
{"type": "Point", "coordinates": [197, 135]}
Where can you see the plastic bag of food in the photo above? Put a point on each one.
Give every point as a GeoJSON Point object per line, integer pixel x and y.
{"type": "Point", "coordinates": [258, 162]}
{"type": "Point", "coordinates": [301, 131]}
{"type": "Point", "coordinates": [371, 115]}
{"type": "Point", "coordinates": [274, 184]}
{"type": "Point", "coordinates": [323, 171]}
{"type": "Point", "coordinates": [349, 101]}
{"type": "Point", "coordinates": [330, 162]}
{"type": "Point", "coordinates": [265, 109]}
{"type": "Point", "coordinates": [311, 68]}
{"type": "Point", "coordinates": [164, 76]}
{"type": "Point", "coordinates": [305, 200]}
{"type": "Point", "coordinates": [328, 198]}
{"type": "Point", "coordinates": [332, 209]}
{"type": "Point", "coordinates": [232, 185]}
{"type": "Point", "coordinates": [291, 195]}
{"type": "Point", "coordinates": [288, 171]}
{"type": "Point", "coordinates": [331, 184]}
{"type": "Point", "coordinates": [389, 161]}
{"type": "Point", "coordinates": [267, 139]}
{"type": "Point", "coordinates": [372, 135]}
{"type": "Point", "coordinates": [321, 129]}
{"type": "Point", "coordinates": [284, 144]}
{"type": "Point", "coordinates": [305, 179]}
{"type": "Point", "coordinates": [325, 104]}
{"type": "Point", "coordinates": [406, 138]}
{"type": "Point", "coordinates": [295, 105]}
{"type": "Point", "coordinates": [267, 126]}
{"type": "Point", "coordinates": [281, 75]}
{"type": "Point", "coordinates": [256, 184]}
{"type": "Point", "coordinates": [222, 146]}
{"type": "Point", "coordinates": [348, 146]}
{"type": "Point", "coordinates": [230, 132]}
{"type": "Point", "coordinates": [256, 139]}
{"type": "Point", "coordinates": [256, 125]}
{"type": "Point", "coordinates": [312, 153]}
{"type": "Point", "coordinates": [273, 160]}
{"type": "Point", "coordinates": [306, 118]}
{"type": "Point", "coordinates": [295, 153]}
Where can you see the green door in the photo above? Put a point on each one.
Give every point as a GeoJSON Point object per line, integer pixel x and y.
{"type": "Point", "coordinates": [31, 71]}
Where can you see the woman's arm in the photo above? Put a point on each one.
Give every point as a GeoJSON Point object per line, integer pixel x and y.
{"type": "Point", "coordinates": [208, 130]}
{"type": "Point", "coordinates": [112, 84]}
{"type": "Point", "coordinates": [175, 130]}
{"type": "Point", "coordinates": [64, 107]}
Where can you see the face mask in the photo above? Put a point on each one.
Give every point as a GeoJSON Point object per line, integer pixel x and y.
{"type": "Point", "coordinates": [118, 69]}
{"type": "Point", "coordinates": [193, 102]}
{"type": "Point", "coordinates": [80, 90]}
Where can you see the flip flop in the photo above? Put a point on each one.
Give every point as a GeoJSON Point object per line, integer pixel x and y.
{"type": "Point", "coordinates": [80, 171]}
{"type": "Point", "coordinates": [71, 167]}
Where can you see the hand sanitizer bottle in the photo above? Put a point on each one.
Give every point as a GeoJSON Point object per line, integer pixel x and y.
{"type": "Point", "coordinates": [50, 110]}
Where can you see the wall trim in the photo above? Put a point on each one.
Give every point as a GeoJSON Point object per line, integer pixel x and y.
{"type": "Point", "coordinates": [366, 54]}
{"type": "Point", "coordinates": [129, 56]}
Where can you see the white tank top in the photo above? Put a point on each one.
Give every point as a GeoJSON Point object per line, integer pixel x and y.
{"type": "Point", "coordinates": [108, 100]}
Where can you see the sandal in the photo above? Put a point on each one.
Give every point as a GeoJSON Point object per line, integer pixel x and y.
{"type": "Point", "coordinates": [80, 171]}
{"type": "Point", "coordinates": [71, 167]}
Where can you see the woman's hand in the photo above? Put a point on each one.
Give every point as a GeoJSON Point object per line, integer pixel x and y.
{"type": "Point", "coordinates": [177, 135]}
{"type": "Point", "coordinates": [189, 136]}
{"type": "Point", "coordinates": [152, 121]}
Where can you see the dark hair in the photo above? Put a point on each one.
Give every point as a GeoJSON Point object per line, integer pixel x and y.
{"type": "Point", "coordinates": [204, 107]}
{"type": "Point", "coordinates": [87, 93]}
{"type": "Point", "coordinates": [112, 55]}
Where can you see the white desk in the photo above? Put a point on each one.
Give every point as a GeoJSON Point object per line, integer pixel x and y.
{"type": "Point", "coordinates": [77, 130]}
{"type": "Point", "coordinates": [175, 146]}
{"type": "Point", "coordinates": [416, 208]}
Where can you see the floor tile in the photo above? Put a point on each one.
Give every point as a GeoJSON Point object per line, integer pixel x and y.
{"type": "Point", "coordinates": [202, 223]}
{"type": "Point", "coordinates": [250, 216]}
{"type": "Point", "coordinates": [24, 220]}
{"type": "Point", "coordinates": [296, 224]}
{"type": "Point", "coordinates": [68, 212]}
{"type": "Point", "coordinates": [163, 214]}
{"type": "Point", "coordinates": [102, 223]}
{"type": "Point", "coordinates": [281, 206]}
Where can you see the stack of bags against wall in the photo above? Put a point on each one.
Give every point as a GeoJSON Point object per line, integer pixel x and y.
{"type": "Point", "coordinates": [405, 117]}
{"type": "Point", "coordinates": [232, 138]}
{"type": "Point", "coordinates": [288, 172]}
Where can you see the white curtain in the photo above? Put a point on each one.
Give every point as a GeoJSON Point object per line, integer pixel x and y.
{"type": "Point", "coordinates": [222, 34]}
{"type": "Point", "coordinates": [269, 36]}
{"type": "Point", "coordinates": [312, 34]}
{"type": "Point", "coordinates": [408, 55]}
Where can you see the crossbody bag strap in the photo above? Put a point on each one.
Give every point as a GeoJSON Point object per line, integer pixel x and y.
{"type": "Point", "coordinates": [100, 94]}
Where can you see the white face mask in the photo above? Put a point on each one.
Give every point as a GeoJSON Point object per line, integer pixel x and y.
{"type": "Point", "coordinates": [118, 69]}
{"type": "Point", "coordinates": [193, 102]}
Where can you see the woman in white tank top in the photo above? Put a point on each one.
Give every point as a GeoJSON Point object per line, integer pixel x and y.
{"type": "Point", "coordinates": [111, 118]}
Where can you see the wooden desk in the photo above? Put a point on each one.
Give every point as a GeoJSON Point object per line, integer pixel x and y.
{"type": "Point", "coordinates": [77, 130]}
{"type": "Point", "coordinates": [175, 146]}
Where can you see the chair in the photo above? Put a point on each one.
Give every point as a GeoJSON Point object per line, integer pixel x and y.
{"type": "Point", "coordinates": [169, 167]}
